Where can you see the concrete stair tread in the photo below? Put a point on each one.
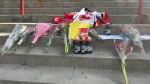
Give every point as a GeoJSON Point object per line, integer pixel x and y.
{"type": "Point", "coordinates": [32, 23]}
{"type": "Point", "coordinates": [80, 8]}
{"type": "Point", "coordinates": [8, 27]}
{"type": "Point", "coordinates": [19, 74]}
{"type": "Point", "coordinates": [58, 51]}
{"type": "Point", "coordinates": [115, 19]}
{"type": "Point", "coordinates": [75, 4]}
{"type": "Point", "coordinates": [109, 10]}
{"type": "Point", "coordinates": [4, 34]}
{"type": "Point", "coordinates": [63, 15]}
{"type": "Point", "coordinates": [67, 0]}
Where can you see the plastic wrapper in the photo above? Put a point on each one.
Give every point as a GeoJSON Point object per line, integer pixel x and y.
{"type": "Point", "coordinates": [40, 30]}
{"type": "Point", "coordinates": [123, 49]}
{"type": "Point", "coordinates": [53, 31]}
{"type": "Point", "coordinates": [133, 34]}
{"type": "Point", "coordinates": [28, 31]}
{"type": "Point", "coordinates": [94, 34]}
{"type": "Point", "coordinates": [14, 36]}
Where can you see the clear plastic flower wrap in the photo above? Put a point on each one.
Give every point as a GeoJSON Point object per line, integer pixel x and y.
{"type": "Point", "coordinates": [133, 34]}
{"type": "Point", "coordinates": [123, 49]}
{"type": "Point", "coordinates": [13, 36]}
{"type": "Point", "coordinates": [24, 36]}
{"type": "Point", "coordinates": [54, 28]}
{"type": "Point", "coordinates": [40, 30]}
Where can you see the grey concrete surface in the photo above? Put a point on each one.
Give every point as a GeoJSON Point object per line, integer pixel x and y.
{"type": "Point", "coordinates": [99, 59]}
{"type": "Point", "coordinates": [17, 74]}
{"type": "Point", "coordinates": [118, 13]}
{"type": "Point", "coordinates": [75, 4]}
{"type": "Point", "coordinates": [66, 0]}
{"type": "Point", "coordinates": [34, 18]}
{"type": "Point", "coordinates": [59, 11]}
{"type": "Point", "coordinates": [143, 28]}
{"type": "Point", "coordinates": [42, 42]}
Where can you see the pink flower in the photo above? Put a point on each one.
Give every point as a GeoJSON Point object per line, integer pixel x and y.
{"type": "Point", "coordinates": [41, 29]}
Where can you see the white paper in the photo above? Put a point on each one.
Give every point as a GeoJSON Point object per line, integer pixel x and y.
{"type": "Point", "coordinates": [145, 37]}
{"type": "Point", "coordinates": [105, 37]}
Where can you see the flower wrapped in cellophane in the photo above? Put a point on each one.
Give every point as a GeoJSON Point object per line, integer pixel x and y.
{"type": "Point", "coordinates": [123, 50]}
{"type": "Point", "coordinates": [68, 42]}
{"type": "Point", "coordinates": [53, 31]}
{"type": "Point", "coordinates": [40, 30]}
{"type": "Point", "coordinates": [133, 34]}
{"type": "Point", "coordinates": [24, 36]}
{"type": "Point", "coordinates": [14, 36]}
{"type": "Point", "coordinates": [94, 34]}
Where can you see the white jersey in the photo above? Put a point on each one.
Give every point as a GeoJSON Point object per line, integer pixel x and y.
{"type": "Point", "coordinates": [90, 15]}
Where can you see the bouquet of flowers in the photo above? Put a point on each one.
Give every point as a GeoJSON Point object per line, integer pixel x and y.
{"type": "Point", "coordinates": [15, 34]}
{"type": "Point", "coordinates": [133, 34]}
{"type": "Point", "coordinates": [123, 50]}
{"type": "Point", "coordinates": [41, 29]}
{"type": "Point", "coordinates": [24, 36]}
{"type": "Point", "coordinates": [68, 42]}
{"type": "Point", "coordinates": [53, 30]}
{"type": "Point", "coordinates": [94, 34]}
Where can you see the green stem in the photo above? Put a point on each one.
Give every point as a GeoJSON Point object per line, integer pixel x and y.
{"type": "Point", "coordinates": [124, 73]}
{"type": "Point", "coordinates": [47, 48]}
{"type": "Point", "coordinates": [15, 49]}
{"type": "Point", "coordinates": [29, 48]}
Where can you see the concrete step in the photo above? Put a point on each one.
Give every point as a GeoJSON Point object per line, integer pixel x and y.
{"type": "Point", "coordinates": [19, 74]}
{"type": "Point", "coordinates": [74, 4]}
{"type": "Point", "coordinates": [115, 19]}
{"type": "Point", "coordinates": [66, 0]}
{"type": "Point", "coordinates": [143, 28]}
{"type": "Point", "coordinates": [109, 10]}
{"type": "Point", "coordinates": [52, 0]}
{"type": "Point", "coordinates": [43, 41]}
{"type": "Point", "coordinates": [99, 59]}
{"type": "Point", "coordinates": [118, 0]}
{"type": "Point", "coordinates": [43, 1]}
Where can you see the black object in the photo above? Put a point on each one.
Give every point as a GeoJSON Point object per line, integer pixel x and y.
{"type": "Point", "coordinates": [87, 10]}
{"type": "Point", "coordinates": [77, 47]}
{"type": "Point", "coordinates": [83, 47]}
{"type": "Point", "coordinates": [108, 29]}
{"type": "Point", "coordinates": [89, 47]}
{"type": "Point", "coordinates": [99, 20]}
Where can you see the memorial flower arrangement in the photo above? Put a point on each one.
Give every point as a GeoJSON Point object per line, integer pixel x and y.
{"type": "Point", "coordinates": [94, 34]}
{"type": "Point", "coordinates": [133, 34]}
{"type": "Point", "coordinates": [123, 49]}
{"type": "Point", "coordinates": [40, 30]}
{"type": "Point", "coordinates": [24, 36]}
{"type": "Point", "coordinates": [53, 31]}
{"type": "Point", "coordinates": [14, 36]}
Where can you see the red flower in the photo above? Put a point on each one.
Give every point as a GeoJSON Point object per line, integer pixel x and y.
{"type": "Point", "coordinates": [122, 46]}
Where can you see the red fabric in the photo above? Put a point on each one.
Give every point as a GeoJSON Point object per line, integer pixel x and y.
{"type": "Point", "coordinates": [83, 33]}
{"type": "Point", "coordinates": [68, 17]}
{"type": "Point", "coordinates": [105, 19]}
{"type": "Point", "coordinates": [83, 30]}
{"type": "Point", "coordinates": [98, 23]}
{"type": "Point", "coordinates": [84, 17]}
{"type": "Point", "coordinates": [56, 20]}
